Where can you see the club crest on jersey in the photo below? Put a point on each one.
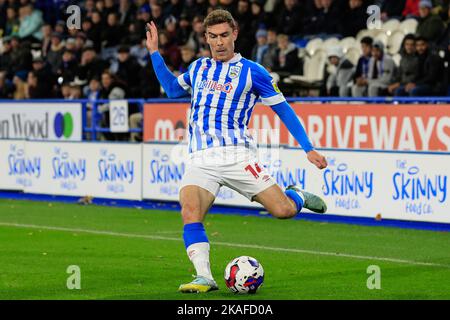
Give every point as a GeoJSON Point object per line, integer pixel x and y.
{"type": "Point", "coordinates": [234, 72]}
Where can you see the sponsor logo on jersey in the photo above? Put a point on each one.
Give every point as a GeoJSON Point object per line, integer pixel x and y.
{"type": "Point", "coordinates": [211, 86]}
{"type": "Point", "coordinates": [275, 87]}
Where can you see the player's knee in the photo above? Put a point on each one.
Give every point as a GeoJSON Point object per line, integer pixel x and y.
{"type": "Point", "coordinates": [284, 211]}
{"type": "Point", "coordinates": [190, 212]}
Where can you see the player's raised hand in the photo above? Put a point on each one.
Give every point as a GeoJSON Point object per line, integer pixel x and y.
{"type": "Point", "coordinates": [317, 159]}
{"type": "Point", "coordinates": [152, 37]}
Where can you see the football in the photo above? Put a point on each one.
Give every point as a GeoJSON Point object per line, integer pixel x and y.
{"type": "Point", "coordinates": [244, 275]}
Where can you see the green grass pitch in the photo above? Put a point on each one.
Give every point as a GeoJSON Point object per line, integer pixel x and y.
{"type": "Point", "coordinates": [139, 254]}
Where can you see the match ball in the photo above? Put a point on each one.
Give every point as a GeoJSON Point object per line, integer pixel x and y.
{"type": "Point", "coordinates": [244, 275]}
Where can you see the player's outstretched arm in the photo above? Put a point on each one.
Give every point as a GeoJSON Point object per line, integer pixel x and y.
{"type": "Point", "coordinates": [295, 127]}
{"type": "Point", "coordinates": [167, 79]}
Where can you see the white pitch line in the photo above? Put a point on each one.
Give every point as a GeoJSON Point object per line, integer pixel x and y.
{"type": "Point", "coordinates": [227, 244]}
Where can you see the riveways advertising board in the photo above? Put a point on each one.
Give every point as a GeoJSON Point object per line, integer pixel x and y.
{"type": "Point", "coordinates": [414, 127]}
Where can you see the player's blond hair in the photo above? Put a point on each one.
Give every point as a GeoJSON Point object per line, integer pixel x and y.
{"type": "Point", "coordinates": [219, 16]}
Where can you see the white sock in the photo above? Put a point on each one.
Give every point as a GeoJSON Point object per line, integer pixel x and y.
{"type": "Point", "coordinates": [198, 253]}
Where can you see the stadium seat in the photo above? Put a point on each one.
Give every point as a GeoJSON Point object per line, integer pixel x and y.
{"type": "Point", "coordinates": [347, 43]}
{"type": "Point", "coordinates": [361, 34]}
{"type": "Point", "coordinates": [395, 42]}
{"type": "Point", "coordinates": [408, 26]}
{"type": "Point", "coordinates": [367, 33]}
{"type": "Point", "coordinates": [312, 71]}
{"type": "Point", "coordinates": [353, 55]}
{"type": "Point", "coordinates": [313, 45]}
{"type": "Point", "coordinates": [390, 26]}
{"type": "Point", "coordinates": [397, 57]}
{"type": "Point", "coordinates": [330, 42]}
{"type": "Point", "coordinates": [383, 37]}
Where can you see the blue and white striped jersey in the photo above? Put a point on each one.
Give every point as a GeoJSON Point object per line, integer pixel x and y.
{"type": "Point", "coordinates": [223, 95]}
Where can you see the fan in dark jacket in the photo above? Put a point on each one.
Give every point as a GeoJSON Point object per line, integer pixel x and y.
{"type": "Point", "coordinates": [408, 70]}
{"type": "Point", "coordinates": [431, 79]}
{"type": "Point", "coordinates": [286, 61]}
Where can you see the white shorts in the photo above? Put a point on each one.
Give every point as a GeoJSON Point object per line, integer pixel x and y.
{"type": "Point", "coordinates": [232, 166]}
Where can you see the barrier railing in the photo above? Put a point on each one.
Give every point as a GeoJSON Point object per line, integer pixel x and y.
{"type": "Point", "coordinates": [95, 127]}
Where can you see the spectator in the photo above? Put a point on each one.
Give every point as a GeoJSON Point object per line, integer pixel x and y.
{"type": "Point", "coordinates": [331, 17]}
{"type": "Point", "coordinates": [46, 38]}
{"type": "Point", "coordinates": [54, 55]}
{"type": "Point", "coordinates": [173, 7]}
{"type": "Point", "coordinates": [30, 23]}
{"type": "Point", "coordinates": [171, 27]}
{"type": "Point", "coordinates": [92, 90]}
{"type": "Point", "coordinates": [430, 26]}
{"type": "Point", "coordinates": [290, 20]}
{"type": "Point", "coordinates": [95, 33]}
{"type": "Point", "coordinates": [259, 19]}
{"type": "Point", "coordinates": [143, 16]}
{"type": "Point", "coordinates": [411, 9]}
{"type": "Point", "coordinates": [391, 9]}
{"type": "Point", "coordinates": [89, 8]}
{"type": "Point", "coordinates": [64, 92]}
{"type": "Point", "coordinates": [110, 90]}
{"type": "Point", "coordinates": [5, 58]}
{"type": "Point", "coordinates": [157, 15]}
{"type": "Point", "coordinates": [354, 18]}
{"type": "Point", "coordinates": [60, 27]}
{"type": "Point", "coordinates": [6, 87]}
{"type": "Point", "coordinates": [35, 89]}
{"type": "Point", "coordinates": [271, 54]}
{"type": "Point", "coordinates": [21, 57]}
{"type": "Point", "coordinates": [69, 66]}
{"type": "Point", "coordinates": [150, 87]}
{"type": "Point", "coordinates": [245, 40]}
{"type": "Point", "coordinates": [76, 91]}
{"type": "Point", "coordinates": [407, 72]}
{"type": "Point", "coordinates": [169, 50]}
{"type": "Point", "coordinates": [111, 36]}
{"type": "Point", "coordinates": [12, 24]}
{"type": "Point", "coordinates": [20, 85]}
{"type": "Point", "coordinates": [380, 74]}
{"type": "Point", "coordinates": [187, 57]}
{"type": "Point", "coordinates": [140, 52]}
{"type": "Point", "coordinates": [312, 20]}
{"type": "Point", "coordinates": [92, 93]}
{"type": "Point", "coordinates": [91, 66]}
{"type": "Point", "coordinates": [261, 47]}
{"type": "Point", "coordinates": [184, 29]}
{"type": "Point", "coordinates": [45, 77]}
{"type": "Point", "coordinates": [337, 83]}
{"type": "Point", "coordinates": [362, 67]}
{"type": "Point", "coordinates": [127, 71]}
{"type": "Point", "coordinates": [110, 7]}
{"type": "Point", "coordinates": [432, 78]}
{"type": "Point", "coordinates": [196, 38]}
{"type": "Point", "coordinates": [287, 60]}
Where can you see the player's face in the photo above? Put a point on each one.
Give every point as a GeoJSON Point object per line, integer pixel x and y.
{"type": "Point", "coordinates": [221, 38]}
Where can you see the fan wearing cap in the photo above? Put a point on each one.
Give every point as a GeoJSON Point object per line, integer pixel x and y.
{"type": "Point", "coordinates": [430, 26]}
{"type": "Point", "coordinates": [380, 74]}
{"type": "Point", "coordinates": [261, 47]}
{"type": "Point", "coordinates": [340, 73]}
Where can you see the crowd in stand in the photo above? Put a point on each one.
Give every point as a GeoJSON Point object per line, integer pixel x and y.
{"type": "Point", "coordinates": [106, 57]}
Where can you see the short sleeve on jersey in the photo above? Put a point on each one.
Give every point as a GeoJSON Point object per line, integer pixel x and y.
{"type": "Point", "coordinates": [265, 87]}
